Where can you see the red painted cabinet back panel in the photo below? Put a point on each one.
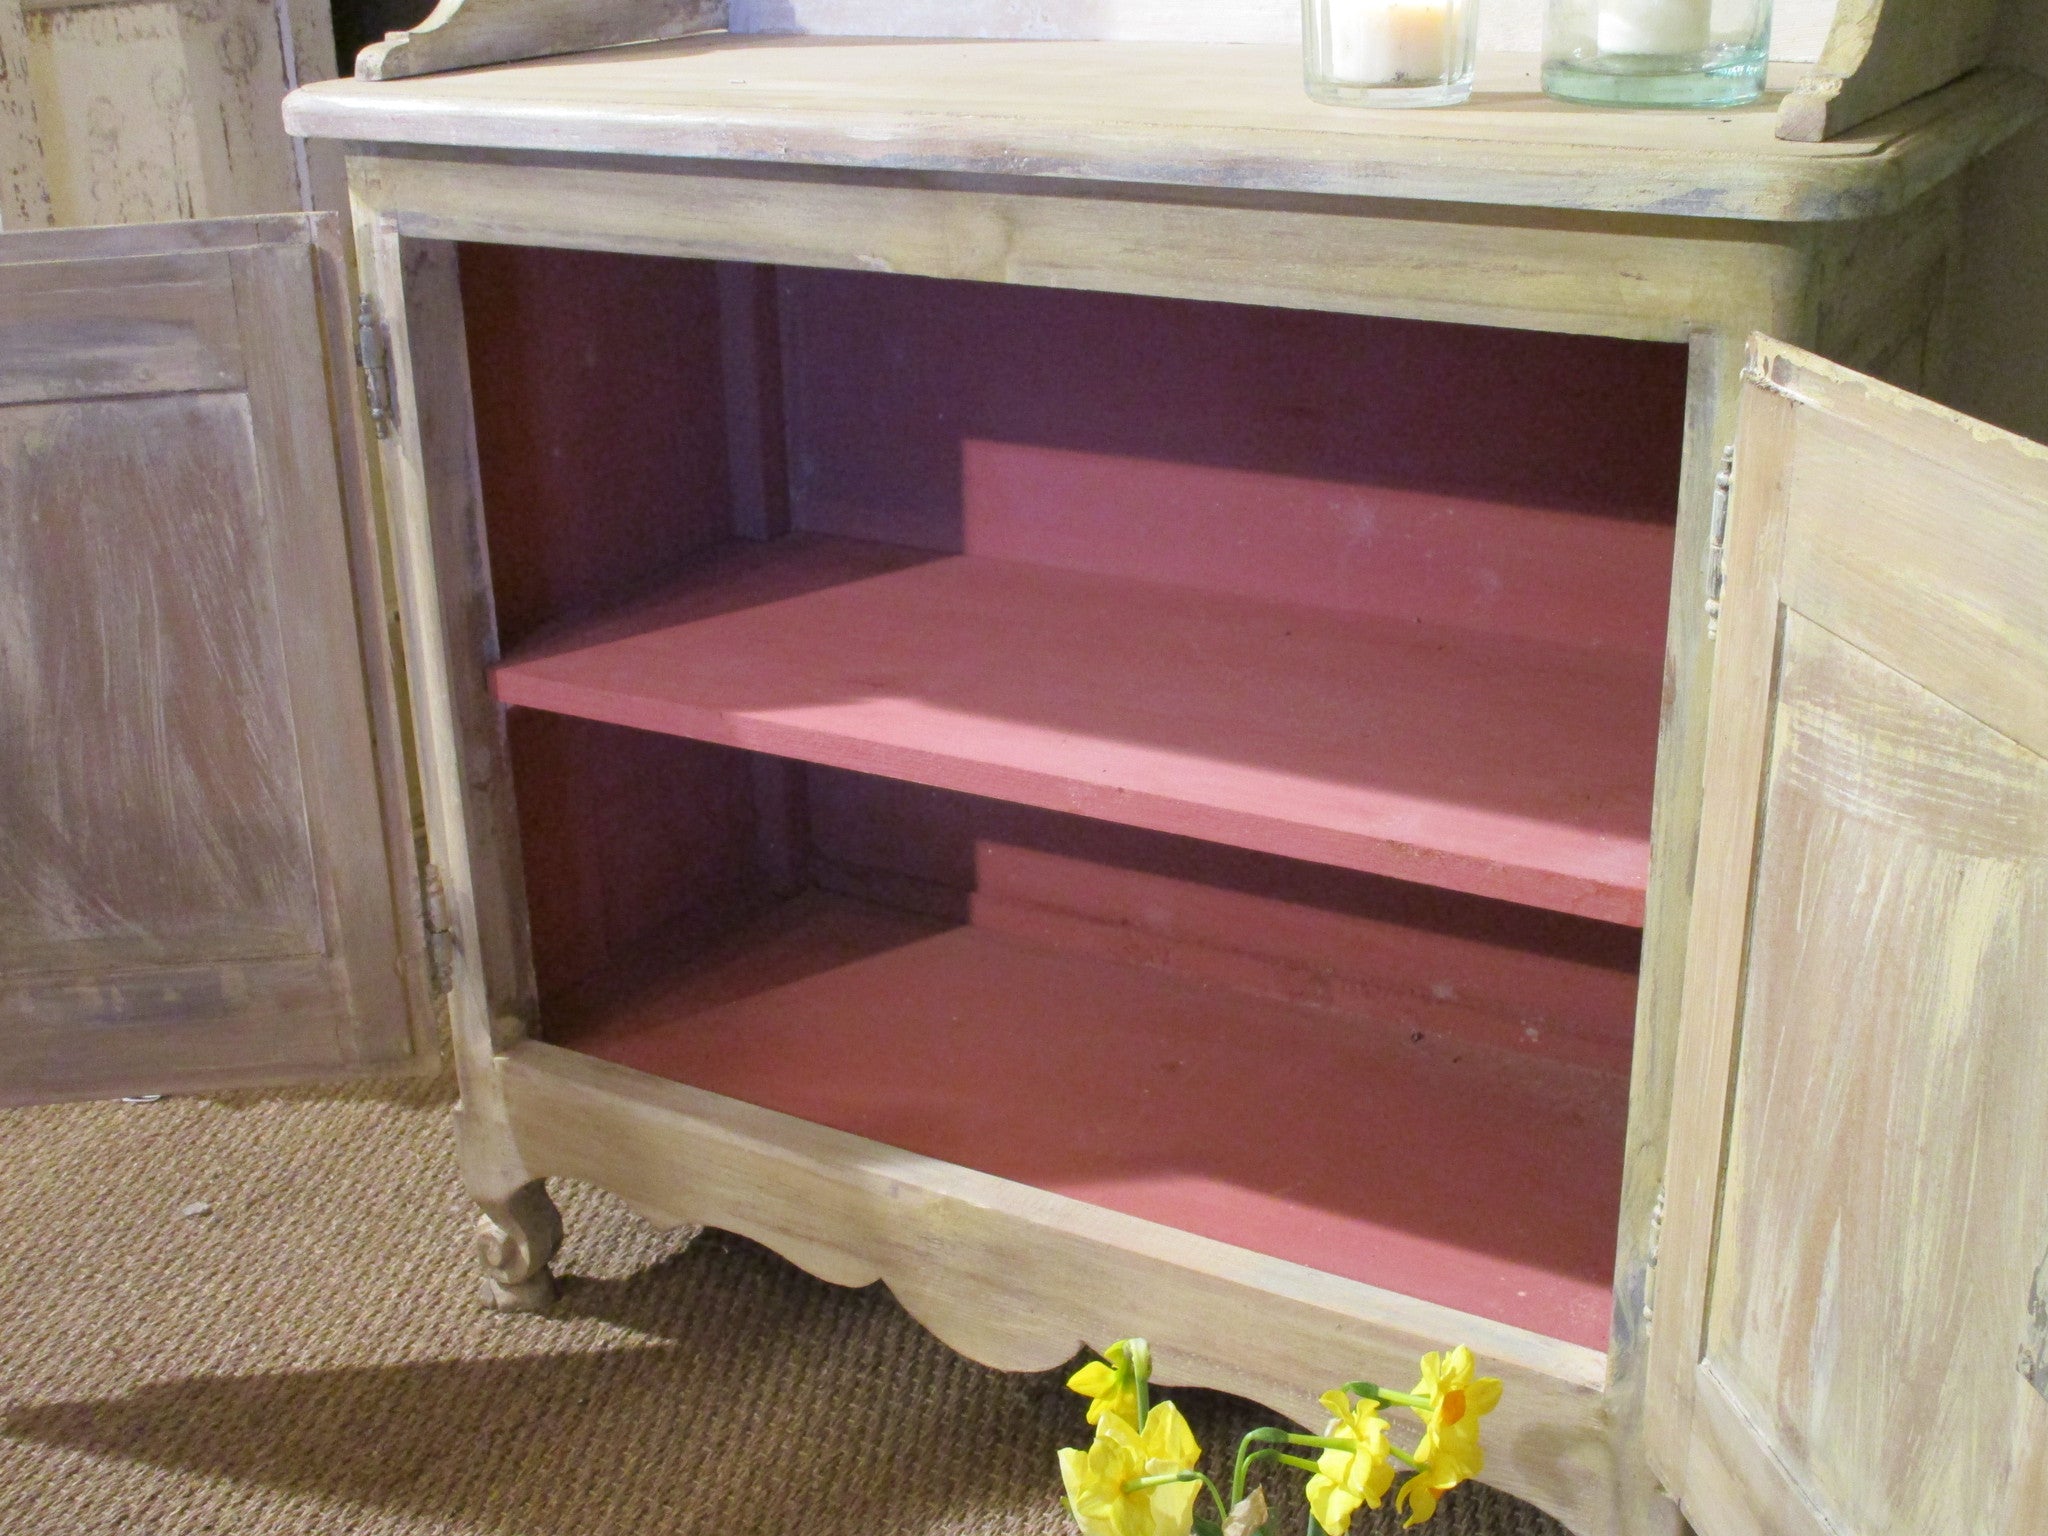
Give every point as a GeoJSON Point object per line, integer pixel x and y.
{"type": "Point", "coordinates": [1503, 480]}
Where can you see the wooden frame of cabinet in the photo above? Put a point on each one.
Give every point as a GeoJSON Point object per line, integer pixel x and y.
{"type": "Point", "coordinates": [1849, 252]}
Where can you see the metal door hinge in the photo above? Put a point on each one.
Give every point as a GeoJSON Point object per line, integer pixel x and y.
{"type": "Point", "coordinates": [373, 356]}
{"type": "Point", "coordinates": [2034, 1342]}
{"type": "Point", "coordinates": [440, 931]}
{"type": "Point", "coordinates": [1717, 540]}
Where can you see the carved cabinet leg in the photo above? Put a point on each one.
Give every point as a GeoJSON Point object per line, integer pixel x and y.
{"type": "Point", "coordinates": [515, 1239]}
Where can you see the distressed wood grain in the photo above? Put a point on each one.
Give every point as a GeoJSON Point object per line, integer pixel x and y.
{"type": "Point", "coordinates": [205, 879]}
{"type": "Point", "coordinates": [118, 326]}
{"type": "Point", "coordinates": [449, 618]}
{"type": "Point", "coordinates": [1859, 1189]}
{"type": "Point", "coordinates": [199, 850]}
{"type": "Point", "coordinates": [1537, 269]}
{"type": "Point", "coordinates": [1164, 113]}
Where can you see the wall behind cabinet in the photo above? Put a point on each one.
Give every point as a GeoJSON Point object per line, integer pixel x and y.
{"type": "Point", "coordinates": [1999, 366]}
{"type": "Point", "coordinates": [135, 111]}
{"type": "Point", "coordinates": [1508, 25]}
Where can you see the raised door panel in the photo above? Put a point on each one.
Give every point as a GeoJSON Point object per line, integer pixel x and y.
{"type": "Point", "coordinates": [1846, 1335]}
{"type": "Point", "coordinates": [206, 876]}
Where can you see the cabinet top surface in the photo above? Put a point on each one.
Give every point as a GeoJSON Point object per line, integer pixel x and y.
{"type": "Point", "coordinates": [1192, 115]}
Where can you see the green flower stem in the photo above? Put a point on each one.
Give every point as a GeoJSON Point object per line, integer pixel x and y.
{"type": "Point", "coordinates": [1246, 1456]}
{"type": "Point", "coordinates": [1420, 1466]}
{"type": "Point", "coordinates": [1301, 1463]}
{"type": "Point", "coordinates": [1138, 1355]}
{"type": "Point", "coordinates": [1249, 1462]}
{"type": "Point", "coordinates": [1161, 1479]}
{"type": "Point", "coordinates": [1323, 1442]}
{"type": "Point", "coordinates": [1382, 1394]}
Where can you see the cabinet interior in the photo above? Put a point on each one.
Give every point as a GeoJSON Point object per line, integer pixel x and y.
{"type": "Point", "coordinates": [1191, 757]}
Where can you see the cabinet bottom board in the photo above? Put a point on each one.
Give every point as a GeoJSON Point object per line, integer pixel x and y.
{"type": "Point", "coordinates": [1475, 1178]}
{"type": "Point", "coordinates": [1018, 1278]}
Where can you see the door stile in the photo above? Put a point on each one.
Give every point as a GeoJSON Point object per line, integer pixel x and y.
{"type": "Point", "coordinates": [428, 451]}
{"type": "Point", "coordinates": [1745, 666]}
{"type": "Point", "coordinates": [1713, 398]}
{"type": "Point", "coordinates": [345, 588]}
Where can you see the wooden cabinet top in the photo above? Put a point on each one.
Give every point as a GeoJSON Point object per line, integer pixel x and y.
{"type": "Point", "coordinates": [1203, 115]}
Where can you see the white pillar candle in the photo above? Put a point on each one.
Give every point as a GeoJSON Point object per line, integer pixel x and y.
{"type": "Point", "coordinates": [1373, 42]}
{"type": "Point", "coordinates": [1654, 26]}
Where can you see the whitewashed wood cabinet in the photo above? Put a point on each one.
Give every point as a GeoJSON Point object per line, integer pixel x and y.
{"type": "Point", "coordinates": [1044, 673]}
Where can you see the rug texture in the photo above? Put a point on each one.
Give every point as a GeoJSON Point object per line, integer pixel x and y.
{"type": "Point", "coordinates": [302, 1353]}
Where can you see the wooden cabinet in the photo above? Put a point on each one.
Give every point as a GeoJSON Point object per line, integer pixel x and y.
{"type": "Point", "coordinates": [1042, 672]}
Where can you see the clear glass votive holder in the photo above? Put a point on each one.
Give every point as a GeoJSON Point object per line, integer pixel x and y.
{"type": "Point", "coordinates": [1389, 53]}
{"type": "Point", "coordinates": [1656, 53]}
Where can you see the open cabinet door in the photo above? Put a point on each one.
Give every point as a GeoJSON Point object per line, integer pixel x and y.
{"type": "Point", "coordinates": [206, 866]}
{"type": "Point", "coordinates": [1850, 1325]}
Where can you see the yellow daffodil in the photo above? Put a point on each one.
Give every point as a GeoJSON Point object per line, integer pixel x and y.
{"type": "Point", "coordinates": [1100, 1480]}
{"type": "Point", "coordinates": [1345, 1480]}
{"type": "Point", "coordinates": [1111, 1387]}
{"type": "Point", "coordinates": [1454, 1400]}
{"type": "Point", "coordinates": [1442, 1472]}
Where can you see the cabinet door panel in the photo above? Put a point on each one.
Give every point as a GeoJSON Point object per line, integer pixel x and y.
{"type": "Point", "coordinates": [1858, 1194]}
{"type": "Point", "coordinates": [117, 327]}
{"type": "Point", "coordinates": [206, 875]}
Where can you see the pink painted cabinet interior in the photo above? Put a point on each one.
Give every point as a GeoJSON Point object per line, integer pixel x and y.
{"type": "Point", "coordinates": [1192, 757]}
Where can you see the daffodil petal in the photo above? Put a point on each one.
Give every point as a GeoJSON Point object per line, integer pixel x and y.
{"type": "Point", "coordinates": [1093, 1379]}
{"type": "Point", "coordinates": [1167, 1437]}
{"type": "Point", "coordinates": [1418, 1497]}
{"type": "Point", "coordinates": [1332, 1504]}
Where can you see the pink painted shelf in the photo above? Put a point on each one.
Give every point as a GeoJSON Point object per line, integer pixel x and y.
{"type": "Point", "coordinates": [1483, 1179]}
{"type": "Point", "coordinates": [1488, 763]}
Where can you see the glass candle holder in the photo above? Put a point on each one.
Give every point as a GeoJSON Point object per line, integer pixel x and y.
{"type": "Point", "coordinates": [1656, 53]}
{"type": "Point", "coordinates": [1389, 53]}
